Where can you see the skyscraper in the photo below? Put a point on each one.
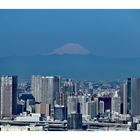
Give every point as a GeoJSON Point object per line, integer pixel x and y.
{"type": "Point", "coordinates": [83, 105]}
{"type": "Point", "coordinates": [96, 107]}
{"type": "Point", "coordinates": [124, 98]}
{"type": "Point", "coordinates": [129, 95]}
{"type": "Point", "coordinates": [101, 107]}
{"type": "Point", "coordinates": [44, 89]}
{"type": "Point", "coordinates": [8, 96]}
{"type": "Point", "coordinates": [93, 108]}
{"type": "Point", "coordinates": [72, 104]}
{"type": "Point", "coordinates": [135, 96]}
{"type": "Point", "coordinates": [60, 113]}
{"type": "Point", "coordinates": [75, 121]}
{"type": "Point", "coordinates": [116, 103]}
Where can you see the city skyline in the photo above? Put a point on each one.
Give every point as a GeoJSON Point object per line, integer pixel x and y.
{"type": "Point", "coordinates": [52, 103]}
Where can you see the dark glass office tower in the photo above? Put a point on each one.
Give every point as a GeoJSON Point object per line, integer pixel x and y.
{"type": "Point", "coordinates": [75, 121]}
{"type": "Point", "coordinates": [129, 95]}
{"type": "Point", "coordinates": [14, 95]}
{"type": "Point", "coordinates": [135, 96]}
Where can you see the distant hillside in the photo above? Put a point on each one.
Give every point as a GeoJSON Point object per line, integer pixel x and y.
{"type": "Point", "coordinates": [84, 67]}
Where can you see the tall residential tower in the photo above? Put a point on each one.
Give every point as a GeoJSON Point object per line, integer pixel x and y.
{"type": "Point", "coordinates": [8, 96]}
{"type": "Point", "coordinates": [45, 88]}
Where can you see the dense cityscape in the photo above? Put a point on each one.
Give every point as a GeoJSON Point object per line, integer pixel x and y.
{"type": "Point", "coordinates": [55, 103]}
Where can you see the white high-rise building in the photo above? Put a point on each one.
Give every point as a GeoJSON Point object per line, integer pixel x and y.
{"type": "Point", "coordinates": [116, 103]}
{"type": "Point", "coordinates": [83, 104]}
{"type": "Point", "coordinates": [45, 88]}
{"type": "Point", "coordinates": [124, 98]}
{"type": "Point", "coordinates": [93, 108]}
{"type": "Point", "coordinates": [72, 102]}
{"type": "Point", "coordinates": [96, 107]}
{"type": "Point", "coordinates": [36, 88]}
{"type": "Point", "coordinates": [101, 107]}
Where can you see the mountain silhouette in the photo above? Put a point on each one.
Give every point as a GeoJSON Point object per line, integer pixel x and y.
{"type": "Point", "coordinates": [70, 48]}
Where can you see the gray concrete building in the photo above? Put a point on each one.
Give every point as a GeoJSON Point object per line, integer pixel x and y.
{"type": "Point", "coordinates": [8, 96]}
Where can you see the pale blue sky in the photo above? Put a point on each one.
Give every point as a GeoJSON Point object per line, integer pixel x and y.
{"type": "Point", "coordinates": [104, 32]}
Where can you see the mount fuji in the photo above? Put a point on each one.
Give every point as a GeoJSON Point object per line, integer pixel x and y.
{"type": "Point", "coordinates": [72, 61]}
{"type": "Point", "coordinates": [70, 48]}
